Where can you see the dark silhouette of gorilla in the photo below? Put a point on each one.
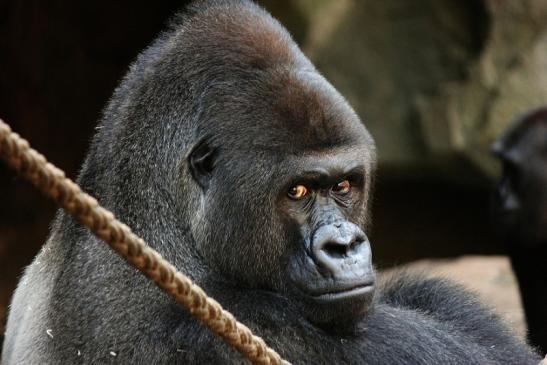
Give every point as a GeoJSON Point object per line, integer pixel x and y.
{"type": "Point", "coordinates": [520, 213]}
{"type": "Point", "coordinates": [230, 154]}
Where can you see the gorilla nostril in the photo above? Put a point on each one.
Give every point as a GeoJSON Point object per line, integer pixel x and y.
{"type": "Point", "coordinates": [341, 249]}
{"type": "Point", "coordinates": [335, 250]}
{"type": "Point", "coordinates": [355, 244]}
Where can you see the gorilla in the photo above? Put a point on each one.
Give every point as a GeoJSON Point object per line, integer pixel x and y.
{"type": "Point", "coordinates": [230, 154]}
{"type": "Point", "coordinates": [520, 213]}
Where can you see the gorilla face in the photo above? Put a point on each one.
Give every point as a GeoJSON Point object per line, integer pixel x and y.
{"type": "Point", "coordinates": [520, 200]}
{"type": "Point", "coordinates": [289, 180]}
{"type": "Point", "coordinates": [330, 268]}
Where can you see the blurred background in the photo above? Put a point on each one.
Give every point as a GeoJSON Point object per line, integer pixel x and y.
{"type": "Point", "coordinates": [435, 81]}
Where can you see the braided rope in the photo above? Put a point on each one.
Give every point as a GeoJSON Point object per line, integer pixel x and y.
{"type": "Point", "coordinates": [33, 166]}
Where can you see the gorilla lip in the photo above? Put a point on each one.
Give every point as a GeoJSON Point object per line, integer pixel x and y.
{"type": "Point", "coordinates": [346, 293]}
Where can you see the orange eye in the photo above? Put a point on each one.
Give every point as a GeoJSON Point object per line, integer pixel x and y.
{"type": "Point", "coordinates": [342, 187]}
{"type": "Point", "coordinates": [298, 192]}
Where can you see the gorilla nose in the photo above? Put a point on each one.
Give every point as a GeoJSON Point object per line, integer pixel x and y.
{"type": "Point", "coordinates": [341, 247]}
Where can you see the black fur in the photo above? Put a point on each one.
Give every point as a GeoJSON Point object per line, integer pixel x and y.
{"type": "Point", "coordinates": [196, 152]}
{"type": "Point", "coordinates": [520, 213]}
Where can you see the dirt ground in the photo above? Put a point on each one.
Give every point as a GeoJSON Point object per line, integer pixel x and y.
{"type": "Point", "coordinates": [490, 277]}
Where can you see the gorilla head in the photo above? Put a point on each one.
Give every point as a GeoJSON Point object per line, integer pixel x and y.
{"type": "Point", "coordinates": [265, 163]}
{"type": "Point", "coordinates": [281, 166]}
{"type": "Point", "coordinates": [520, 201]}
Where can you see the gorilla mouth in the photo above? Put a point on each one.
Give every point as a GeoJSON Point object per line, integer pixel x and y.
{"type": "Point", "coordinates": [352, 292]}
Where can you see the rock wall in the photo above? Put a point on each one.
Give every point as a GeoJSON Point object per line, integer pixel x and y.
{"type": "Point", "coordinates": [435, 81]}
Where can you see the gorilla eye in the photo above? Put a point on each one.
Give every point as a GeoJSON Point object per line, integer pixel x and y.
{"type": "Point", "coordinates": [342, 187]}
{"type": "Point", "coordinates": [297, 192]}
{"type": "Point", "coordinates": [202, 161]}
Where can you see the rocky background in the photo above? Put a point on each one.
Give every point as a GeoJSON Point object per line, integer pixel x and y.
{"type": "Point", "coordinates": [435, 81]}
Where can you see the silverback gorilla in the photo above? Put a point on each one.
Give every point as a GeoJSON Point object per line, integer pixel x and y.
{"type": "Point", "coordinates": [230, 154]}
{"type": "Point", "coordinates": [520, 213]}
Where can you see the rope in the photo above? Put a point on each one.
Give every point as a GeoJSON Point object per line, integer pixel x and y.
{"type": "Point", "coordinates": [51, 181]}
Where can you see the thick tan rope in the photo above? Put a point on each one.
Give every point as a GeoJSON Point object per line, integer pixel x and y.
{"type": "Point", "coordinates": [31, 165]}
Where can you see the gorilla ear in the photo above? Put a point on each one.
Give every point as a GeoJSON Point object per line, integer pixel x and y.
{"type": "Point", "coordinates": [202, 159]}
